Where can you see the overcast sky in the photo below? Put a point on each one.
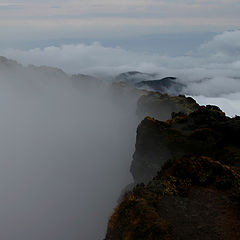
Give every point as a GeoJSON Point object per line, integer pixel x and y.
{"type": "Point", "coordinates": [40, 20]}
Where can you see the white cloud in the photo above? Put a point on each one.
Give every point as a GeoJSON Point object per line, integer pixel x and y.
{"type": "Point", "coordinates": [227, 43]}
{"type": "Point", "coordinates": [218, 60]}
{"type": "Point", "coordinates": [228, 105]}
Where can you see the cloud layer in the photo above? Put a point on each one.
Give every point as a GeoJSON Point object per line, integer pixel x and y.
{"type": "Point", "coordinates": [218, 57]}
{"type": "Point", "coordinates": [212, 71]}
{"type": "Point", "coordinates": [65, 152]}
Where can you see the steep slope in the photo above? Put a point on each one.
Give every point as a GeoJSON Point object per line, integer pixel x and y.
{"type": "Point", "coordinates": [191, 190]}
{"type": "Point", "coordinates": [162, 106]}
{"type": "Point", "coordinates": [191, 198]}
{"type": "Point", "coordinates": [205, 132]}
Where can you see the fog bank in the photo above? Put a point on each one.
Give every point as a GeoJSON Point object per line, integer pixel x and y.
{"type": "Point", "coordinates": [65, 152]}
{"type": "Point", "coordinates": [212, 70]}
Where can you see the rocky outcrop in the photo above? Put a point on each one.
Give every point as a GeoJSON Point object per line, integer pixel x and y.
{"type": "Point", "coordinates": [190, 198]}
{"type": "Point", "coordinates": [162, 106]}
{"type": "Point", "coordinates": [188, 180]}
{"type": "Point", "coordinates": [204, 132]}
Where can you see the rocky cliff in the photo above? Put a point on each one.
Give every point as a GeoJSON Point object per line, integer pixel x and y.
{"type": "Point", "coordinates": [162, 106]}
{"type": "Point", "coordinates": [204, 132]}
{"type": "Point", "coordinates": [190, 198]}
{"type": "Point", "coordinates": [188, 180]}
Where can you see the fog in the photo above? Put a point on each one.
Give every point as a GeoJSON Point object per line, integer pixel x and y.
{"type": "Point", "coordinates": [66, 147]}
{"type": "Point", "coordinates": [65, 151]}
{"type": "Point", "coordinates": [212, 70]}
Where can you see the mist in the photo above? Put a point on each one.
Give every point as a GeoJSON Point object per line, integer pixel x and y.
{"type": "Point", "coordinates": [65, 151]}
{"type": "Point", "coordinates": [66, 147]}
{"type": "Point", "coordinates": [211, 70]}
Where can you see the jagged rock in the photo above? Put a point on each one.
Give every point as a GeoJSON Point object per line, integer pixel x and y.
{"type": "Point", "coordinates": [162, 106]}
{"type": "Point", "coordinates": [205, 132]}
{"type": "Point", "coordinates": [190, 198]}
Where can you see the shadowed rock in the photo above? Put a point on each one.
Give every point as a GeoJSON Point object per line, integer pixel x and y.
{"type": "Point", "coordinates": [191, 198]}
{"type": "Point", "coordinates": [162, 106]}
{"type": "Point", "coordinates": [205, 132]}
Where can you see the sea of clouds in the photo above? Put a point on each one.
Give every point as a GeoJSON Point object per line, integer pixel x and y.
{"type": "Point", "coordinates": [211, 74]}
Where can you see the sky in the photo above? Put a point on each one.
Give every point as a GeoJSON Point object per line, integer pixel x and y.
{"type": "Point", "coordinates": [30, 20]}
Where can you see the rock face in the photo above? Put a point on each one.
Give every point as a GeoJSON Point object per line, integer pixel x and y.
{"type": "Point", "coordinates": [205, 132]}
{"type": "Point", "coordinates": [191, 198]}
{"type": "Point", "coordinates": [188, 175]}
{"type": "Point", "coordinates": [161, 106]}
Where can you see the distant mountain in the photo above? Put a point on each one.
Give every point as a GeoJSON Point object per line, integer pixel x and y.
{"type": "Point", "coordinates": [15, 71]}
{"type": "Point", "coordinates": [165, 85]}
{"type": "Point", "coordinates": [134, 77]}
{"type": "Point", "coordinates": [6, 63]}
{"type": "Point", "coordinates": [147, 81]}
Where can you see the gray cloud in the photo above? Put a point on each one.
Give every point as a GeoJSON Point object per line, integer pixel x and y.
{"type": "Point", "coordinates": [220, 56]}
{"type": "Point", "coordinates": [212, 71]}
{"type": "Point", "coordinates": [8, 7]}
{"type": "Point", "coordinates": [65, 153]}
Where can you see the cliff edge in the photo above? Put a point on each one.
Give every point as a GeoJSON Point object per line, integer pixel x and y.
{"type": "Point", "coordinates": [188, 180]}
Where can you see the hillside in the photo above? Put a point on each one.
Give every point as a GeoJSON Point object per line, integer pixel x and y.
{"type": "Point", "coordinates": [188, 180]}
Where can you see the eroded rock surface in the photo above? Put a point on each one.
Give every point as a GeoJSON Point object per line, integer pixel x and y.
{"type": "Point", "coordinates": [161, 106]}
{"type": "Point", "coordinates": [190, 198]}
{"type": "Point", "coordinates": [204, 132]}
{"type": "Point", "coordinates": [188, 175]}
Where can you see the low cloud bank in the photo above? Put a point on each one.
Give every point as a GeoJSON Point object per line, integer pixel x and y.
{"type": "Point", "coordinates": [211, 71]}
{"type": "Point", "coordinates": [65, 152]}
